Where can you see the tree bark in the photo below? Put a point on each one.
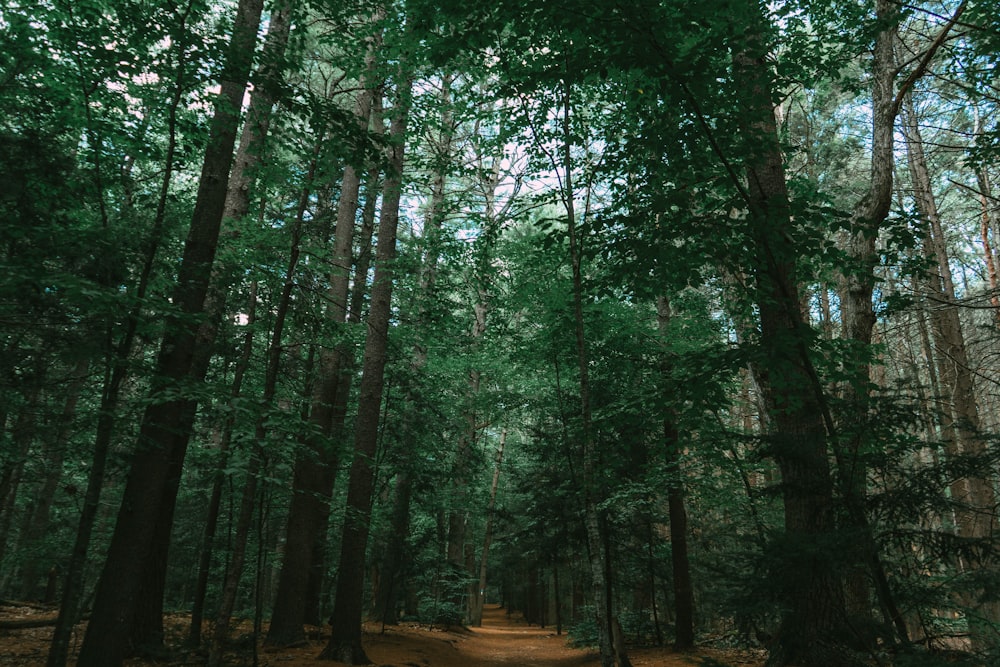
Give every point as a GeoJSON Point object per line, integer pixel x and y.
{"type": "Point", "coordinates": [345, 640]}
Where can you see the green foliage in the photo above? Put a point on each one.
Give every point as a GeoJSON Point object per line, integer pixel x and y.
{"type": "Point", "coordinates": [583, 633]}
{"type": "Point", "coordinates": [657, 153]}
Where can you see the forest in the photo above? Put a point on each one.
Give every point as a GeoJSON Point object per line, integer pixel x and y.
{"type": "Point", "coordinates": [661, 323]}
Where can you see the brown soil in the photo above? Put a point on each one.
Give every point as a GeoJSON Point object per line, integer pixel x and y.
{"type": "Point", "coordinates": [502, 641]}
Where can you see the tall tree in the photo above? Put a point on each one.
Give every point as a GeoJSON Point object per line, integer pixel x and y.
{"type": "Point", "coordinates": [315, 467]}
{"type": "Point", "coordinates": [345, 639]}
{"type": "Point", "coordinates": [249, 496]}
{"type": "Point", "coordinates": [857, 302]}
{"type": "Point", "coordinates": [118, 353]}
{"type": "Point", "coordinates": [814, 604]}
{"type": "Point", "coordinates": [156, 467]}
{"type": "Point", "coordinates": [248, 157]}
{"type": "Point", "coordinates": [974, 495]}
{"type": "Point", "coordinates": [611, 651]}
{"type": "Point", "coordinates": [393, 561]}
{"type": "Point", "coordinates": [679, 558]}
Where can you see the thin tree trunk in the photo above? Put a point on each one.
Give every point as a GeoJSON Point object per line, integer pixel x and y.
{"type": "Point", "coordinates": [987, 228]}
{"type": "Point", "coordinates": [236, 553]}
{"type": "Point", "coordinates": [362, 263]}
{"type": "Point", "coordinates": [601, 589]}
{"type": "Point", "coordinates": [257, 453]}
{"type": "Point", "coordinates": [345, 640]}
{"type": "Point", "coordinates": [985, 231]}
{"type": "Point", "coordinates": [458, 514]}
{"type": "Point", "coordinates": [386, 600]}
{"type": "Point", "coordinates": [37, 521]}
{"type": "Point", "coordinates": [215, 499]}
{"type": "Point", "coordinates": [681, 567]}
{"type": "Point", "coordinates": [480, 598]}
{"type": "Point", "coordinates": [651, 562]}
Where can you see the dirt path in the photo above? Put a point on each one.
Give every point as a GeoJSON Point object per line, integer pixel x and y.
{"type": "Point", "coordinates": [509, 641]}
{"type": "Point", "coordinates": [502, 641]}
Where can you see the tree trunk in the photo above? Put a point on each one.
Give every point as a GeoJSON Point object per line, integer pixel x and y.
{"type": "Point", "coordinates": [483, 276]}
{"type": "Point", "coordinates": [601, 589]}
{"type": "Point", "coordinates": [259, 111]}
{"type": "Point", "coordinates": [680, 564]}
{"type": "Point", "coordinates": [150, 492]}
{"type": "Point", "coordinates": [458, 513]}
{"type": "Point", "coordinates": [858, 319]}
{"type": "Point", "coordinates": [345, 640]}
{"type": "Point", "coordinates": [315, 468]}
{"type": "Point", "coordinates": [237, 205]}
{"type": "Point", "coordinates": [987, 227]}
{"type": "Point", "coordinates": [215, 499]}
{"type": "Point", "coordinates": [258, 453]}
{"type": "Point", "coordinates": [974, 497]}
{"type": "Point", "coordinates": [362, 264]}
{"type": "Point", "coordinates": [986, 233]}
{"type": "Point", "coordinates": [36, 523]}
{"type": "Point", "coordinates": [480, 597]}
{"type": "Point", "coordinates": [364, 259]}
{"type": "Point", "coordinates": [393, 560]}
{"type": "Point", "coordinates": [858, 314]}
{"type": "Point", "coordinates": [813, 600]}
{"type": "Point", "coordinates": [387, 597]}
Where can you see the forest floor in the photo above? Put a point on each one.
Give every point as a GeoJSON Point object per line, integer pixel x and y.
{"type": "Point", "coordinates": [502, 641]}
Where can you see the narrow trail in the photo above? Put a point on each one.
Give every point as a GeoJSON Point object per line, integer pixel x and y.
{"type": "Point", "coordinates": [501, 641]}
{"type": "Point", "coordinates": [505, 641]}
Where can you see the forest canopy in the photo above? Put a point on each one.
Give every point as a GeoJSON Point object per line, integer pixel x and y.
{"type": "Point", "coordinates": [659, 322]}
